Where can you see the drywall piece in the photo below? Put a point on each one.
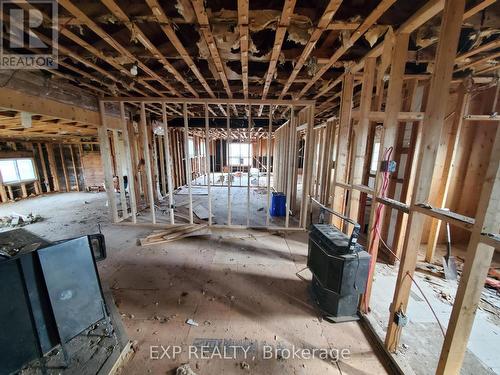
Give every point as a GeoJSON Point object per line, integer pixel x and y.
{"type": "Point", "coordinates": [201, 212]}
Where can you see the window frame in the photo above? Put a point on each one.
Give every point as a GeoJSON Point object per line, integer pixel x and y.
{"type": "Point", "coordinates": [20, 181]}
{"type": "Point", "coordinates": [240, 156]}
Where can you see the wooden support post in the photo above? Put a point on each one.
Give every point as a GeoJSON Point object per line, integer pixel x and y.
{"type": "Point", "coordinates": [444, 179]}
{"type": "Point", "coordinates": [292, 132]}
{"type": "Point", "coordinates": [106, 162]}
{"type": "Point", "coordinates": [128, 158]}
{"type": "Point", "coordinates": [147, 159]}
{"type": "Point", "coordinates": [361, 136]}
{"type": "Point", "coordinates": [268, 164]}
{"type": "Point", "coordinates": [46, 181]}
{"type": "Point", "coordinates": [24, 191]}
{"type": "Point", "coordinates": [154, 162]}
{"type": "Point", "coordinates": [332, 128]}
{"type": "Point", "coordinates": [11, 193]}
{"type": "Point", "coordinates": [207, 164]}
{"type": "Point", "coordinates": [168, 160]}
{"type": "Point", "coordinates": [477, 263]}
{"type": "Point", "coordinates": [249, 161]}
{"type": "Point", "coordinates": [80, 159]}
{"type": "Point", "coordinates": [432, 126]}
{"type": "Point", "coordinates": [65, 171]}
{"type": "Point", "coordinates": [188, 162]}
{"type": "Point", "coordinates": [228, 140]}
{"type": "Point", "coordinates": [53, 166]}
{"type": "Point", "coordinates": [75, 172]}
{"type": "Point", "coordinates": [119, 173]}
{"type": "Point", "coordinates": [307, 168]}
{"type": "Point", "coordinates": [3, 193]}
{"type": "Point", "coordinates": [409, 173]}
{"type": "Point", "coordinates": [388, 139]}
{"type": "Point", "coordinates": [161, 149]}
{"type": "Point", "coordinates": [340, 174]}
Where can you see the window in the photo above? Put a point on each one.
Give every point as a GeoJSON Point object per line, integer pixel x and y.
{"type": "Point", "coordinates": [374, 161]}
{"type": "Point", "coordinates": [17, 170]}
{"type": "Point", "coordinates": [238, 153]}
{"type": "Point", "coordinates": [191, 147]}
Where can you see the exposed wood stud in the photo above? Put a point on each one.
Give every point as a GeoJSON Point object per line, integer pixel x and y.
{"type": "Point", "coordinates": [147, 162]}
{"type": "Point", "coordinates": [433, 122]}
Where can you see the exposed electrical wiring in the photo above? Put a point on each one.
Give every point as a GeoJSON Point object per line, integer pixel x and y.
{"type": "Point", "coordinates": [375, 232]}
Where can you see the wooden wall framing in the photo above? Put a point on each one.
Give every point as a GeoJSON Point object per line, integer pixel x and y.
{"type": "Point", "coordinates": [416, 131]}
{"type": "Point", "coordinates": [163, 164]}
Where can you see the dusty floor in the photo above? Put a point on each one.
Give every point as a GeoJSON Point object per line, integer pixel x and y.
{"type": "Point", "coordinates": [423, 330]}
{"type": "Point", "coordinates": [240, 287]}
{"type": "Point", "coordinates": [238, 196]}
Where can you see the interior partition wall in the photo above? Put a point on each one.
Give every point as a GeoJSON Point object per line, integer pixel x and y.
{"type": "Point", "coordinates": [154, 171]}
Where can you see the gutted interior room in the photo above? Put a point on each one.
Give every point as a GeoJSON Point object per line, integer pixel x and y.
{"type": "Point", "coordinates": [199, 187]}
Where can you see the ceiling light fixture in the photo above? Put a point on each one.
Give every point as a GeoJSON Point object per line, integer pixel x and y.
{"type": "Point", "coordinates": [133, 70]}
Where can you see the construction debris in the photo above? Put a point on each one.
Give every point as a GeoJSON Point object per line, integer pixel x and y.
{"type": "Point", "coordinates": [175, 233]}
{"type": "Point", "coordinates": [185, 369]}
{"type": "Point", "coordinates": [18, 220]}
{"type": "Point", "coordinates": [191, 322]}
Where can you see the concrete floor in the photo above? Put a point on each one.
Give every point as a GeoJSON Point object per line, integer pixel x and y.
{"type": "Point", "coordinates": [238, 196]}
{"type": "Point", "coordinates": [239, 286]}
{"type": "Point", "coordinates": [421, 340]}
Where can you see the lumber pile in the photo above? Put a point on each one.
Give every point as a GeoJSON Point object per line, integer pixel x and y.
{"type": "Point", "coordinates": [175, 233]}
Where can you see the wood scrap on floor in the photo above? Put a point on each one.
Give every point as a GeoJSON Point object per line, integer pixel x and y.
{"type": "Point", "coordinates": [175, 233]}
{"type": "Point", "coordinates": [201, 212]}
{"type": "Point", "coordinates": [194, 191]}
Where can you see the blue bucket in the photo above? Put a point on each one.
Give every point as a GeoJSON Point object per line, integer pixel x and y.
{"type": "Point", "coordinates": [278, 204]}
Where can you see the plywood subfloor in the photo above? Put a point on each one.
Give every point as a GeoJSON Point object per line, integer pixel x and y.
{"type": "Point", "coordinates": [239, 286]}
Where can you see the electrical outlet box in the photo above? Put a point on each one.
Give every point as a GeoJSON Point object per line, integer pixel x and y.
{"type": "Point", "coordinates": [388, 166]}
{"type": "Point", "coordinates": [400, 319]}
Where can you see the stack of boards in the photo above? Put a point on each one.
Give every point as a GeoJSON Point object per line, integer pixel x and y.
{"type": "Point", "coordinates": [175, 233]}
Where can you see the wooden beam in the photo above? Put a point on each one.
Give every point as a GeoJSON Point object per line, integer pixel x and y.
{"type": "Point", "coordinates": [483, 48]}
{"type": "Point", "coordinates": [417, 92]}
{"type": "Point", "coordinates": [361, 136]}
{"type": "Point", "coordinates": [169, 31]}
{"type": "Point", "coordinates": [229, 175]}
{"type": "Point", "coordinates": [106, 159]}
{"type": "Point", "coordinates": [292, 134]}
{"type": "Point", "coordinates": [231, 101]}
{"type": "Point", "coordinates": [80, 15]}
{"type": "Point", "coordinates": [75, 172]}
{"type": "Point", "coordinates": [46, 181]}
{"type": "Point", "coordinates": [131, 176]}
{"type": "Point", "coordinates": [367, 23]}
{"type": "Point", "coordinates": [187, 158]}
{"type": "Point", "coordinates": [147, 159]}
{"type": "Point", "coordinates": [144, 40]}
{"type": "Point", "coordinates": [201, 15]}
{"type": "Point", "coordinates": [477, 8]}
{"type": "Point", "coordinates": [307, 167]}
{"type": "Point", "coordinates": [480, 62]}
{"type": "Point", "coordinates": [433, 123]}
{"type": "Point", "coordinates": [19, 101]}
{"type": "Point", "coordinates": [443, 180]}
{"type": "Point", "coordinates": [268, 165]}
{"type": "Point", "coordinates": [65, 171]}
{"type": "Point", "coordinates": [340, 174]}
{"type": "Point", "coordinates": [387, 141]}
{"type": "Point", "coordinates": [477, 263]}
{"type": "Point", "coordinates": [323, 24]}
{"type": "Point", "coordinates": [281, 29]}
{"type": "Point", "coordinates": [207, 165]}
{"type": "Point", "coordinates": [244, 41]}
{"type": "Point", "coordinates": [52, 166]}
